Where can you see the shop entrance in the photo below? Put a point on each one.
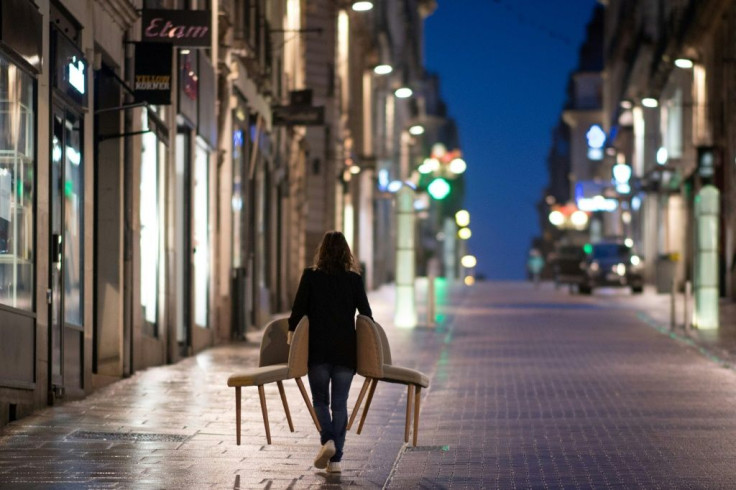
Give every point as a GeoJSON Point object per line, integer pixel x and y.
{"type": "Point", "coordinates": [66, 334]}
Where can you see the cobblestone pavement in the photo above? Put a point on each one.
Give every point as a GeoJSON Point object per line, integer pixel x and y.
{"type": "Point", "coordinates": [530, 388]}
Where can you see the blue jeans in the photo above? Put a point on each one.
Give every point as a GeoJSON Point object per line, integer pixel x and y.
{"type": "Point", "coordinates": [335, 426]}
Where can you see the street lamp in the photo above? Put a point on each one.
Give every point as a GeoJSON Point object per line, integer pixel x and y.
{"type": "Point", "coordinates": [403, 92]}
{"type": "Point", "coordinates": [649, 102]}
{"type": "Point", "coordinates": [464, 233]}
{"type": "Point", "coordinates": [383, 69]}
{"type": "Point", "coordinates": [462, 218]}
{"type": "Point", "coordinates": [362, 6]}
{"type": "Point", "coordinates": [416, 130]}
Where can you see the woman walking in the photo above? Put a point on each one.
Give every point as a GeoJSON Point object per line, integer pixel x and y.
{"type": "Point", "coordinates": [329, 293]}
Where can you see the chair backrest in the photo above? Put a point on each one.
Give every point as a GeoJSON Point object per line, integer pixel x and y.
{"type": "Point", "coordinates": [299, 351]}
{"type": "Point", "coordinates": [384, 344]}
{"type": "Point", "coordinates": [274, 349]}
{"type": "Point", "coordinates": [370, 357]}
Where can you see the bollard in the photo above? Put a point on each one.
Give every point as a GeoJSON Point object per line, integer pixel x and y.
{"type": "Point", "coordinates": [686, 305]}
{"type": "Point", "coordinates": [430, 300]}
{"type": "Point", "coordinates": [673, 292]}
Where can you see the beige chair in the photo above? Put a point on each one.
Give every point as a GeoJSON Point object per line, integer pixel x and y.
{"type": "Point", "coordinates": [374, 362]}
{"type": "Point", "coordinates": [276, 362]}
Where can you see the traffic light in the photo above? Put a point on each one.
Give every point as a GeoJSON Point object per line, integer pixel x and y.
{"type": "Point", "coordinates": [438, 189]}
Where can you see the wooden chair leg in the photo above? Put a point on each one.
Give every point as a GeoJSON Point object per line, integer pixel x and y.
{"type": "Point", "coordinates": [262, 395]}
{"type": "Point", "coordinates": [286, 405]}
{"type": "Point", "coordinates": [417, 398]}
{"type": "Point", "coordinates": [409, 400]}
{"type": "Point", "coordinates": [357, 403]}
{"type": "Point", "coordinates": [309, 403]}
{"type": "Point", "coordinates": [237, 415]}
{"type": "Point", "coordinates": [367, 404]}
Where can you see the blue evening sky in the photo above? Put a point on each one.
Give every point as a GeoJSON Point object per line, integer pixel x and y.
{"type": "Point", "coordinates": [504, 66]}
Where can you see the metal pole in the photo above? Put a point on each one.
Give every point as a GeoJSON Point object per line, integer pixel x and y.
{"type": "Point", "coordinates": [673, 291]}
{"type": "Point", "coordinates": [430, 300]}
{"type": "Point", "coordinates": [686, 303]}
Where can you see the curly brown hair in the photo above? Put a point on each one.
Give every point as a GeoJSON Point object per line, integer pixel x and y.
{"type": "Point", "coordinates": [334, 255]}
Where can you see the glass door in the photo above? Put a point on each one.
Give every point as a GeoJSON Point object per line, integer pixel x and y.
{"type": "Point", "coordinates": [55, 249]}
{"type": "Point", "coordinates": [183, 244]}
{"type": "Point", "coordinates": [67, 253]}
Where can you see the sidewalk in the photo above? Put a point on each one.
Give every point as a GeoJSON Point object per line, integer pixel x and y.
{"type": "Point", "coordinates": [719, 344]}
{"type": "Point", "coordinates": [174, 427]}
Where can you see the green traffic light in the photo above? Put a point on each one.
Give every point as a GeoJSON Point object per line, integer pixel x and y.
{"type": "Point", "coordinates": [439, 188]}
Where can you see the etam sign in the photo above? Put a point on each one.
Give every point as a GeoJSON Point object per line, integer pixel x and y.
{"type": "Point", "coordinates": [190, 28]}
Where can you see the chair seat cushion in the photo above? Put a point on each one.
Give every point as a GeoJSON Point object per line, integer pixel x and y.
{"type": "Point", "coordinates": [260, 375]}
{"type": "Point", "coordinates": [398, 374]}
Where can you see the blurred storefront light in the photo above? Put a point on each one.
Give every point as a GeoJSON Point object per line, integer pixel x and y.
{"type": "Point", "coordinates": [464, 233]}
{"type": "Point", "coordinates": [684, 63]}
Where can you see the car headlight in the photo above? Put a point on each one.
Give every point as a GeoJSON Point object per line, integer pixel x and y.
{"type": "Point", "coordinates": [594, 266]}
{"type": "Point", "coordinates": [636, 262]}
{"type": "Point", "coordinates": [620, 269]}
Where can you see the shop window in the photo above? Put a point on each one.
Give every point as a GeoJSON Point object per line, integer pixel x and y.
{"type": "Point", "coordinates": [150, 235]}
{"type": "Point", "coordinates": [17, 165]}
{"type": "Point", "coordinates": [201, 245]}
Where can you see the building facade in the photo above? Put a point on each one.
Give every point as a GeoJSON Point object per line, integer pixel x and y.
{"type": "Point", "coordinates": [168, 167]}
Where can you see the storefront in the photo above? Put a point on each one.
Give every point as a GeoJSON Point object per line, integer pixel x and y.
{"type": "Point", "coordinates": [22, 373]}
{"type": "Point", "coordinates": [20, 65]}
{"type": "Point", "coordinates": [195, 140]}
{"type": "Point", "coordinates": [66, 207]}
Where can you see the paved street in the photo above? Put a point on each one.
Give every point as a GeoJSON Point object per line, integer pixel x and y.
{"type": "Point", "coordinates": [530, 388]}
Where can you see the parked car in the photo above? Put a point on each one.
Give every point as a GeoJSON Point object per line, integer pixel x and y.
{"type": "Point", "coordinates": [612, 264]}
{"type": "Point", "coordinates": [568, 265]}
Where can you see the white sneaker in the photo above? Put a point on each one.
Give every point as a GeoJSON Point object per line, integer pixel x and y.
{"type": "Point", "coordinates": [334, 467]}
{"type": "Point", "coordinates": [325, 453]}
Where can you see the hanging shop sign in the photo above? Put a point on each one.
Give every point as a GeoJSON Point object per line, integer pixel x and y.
{"type": "Point", "coordinates": [192, 28]}
{"type": "Point", "coordinates": [299, 112]}
{"type": "Point", "coordinates": [288, 115]}
{"type": "Point", "coordinates": [153, 65]}
{"type": "Point", "coordinates": [21, 30]}
{"type": "Point", "coordinates": [70, 68]}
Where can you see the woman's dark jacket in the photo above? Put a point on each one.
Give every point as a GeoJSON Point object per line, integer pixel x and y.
{"type": "Point", "coordinates": [330, 301]}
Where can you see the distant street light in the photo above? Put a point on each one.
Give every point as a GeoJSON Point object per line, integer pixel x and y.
{"type": "Point", "coordinates": [556, 218]}
{"type": "Point", "coordinates": [458, 166]}
{"type": "Point", "coordinates": [468, 261]}
{"type": "Point", "coordinates": [579, 219]}
{"type": "Point", "coordinates": [462, 218]}
{"type": "Point", "coordinates": [464, 233]}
